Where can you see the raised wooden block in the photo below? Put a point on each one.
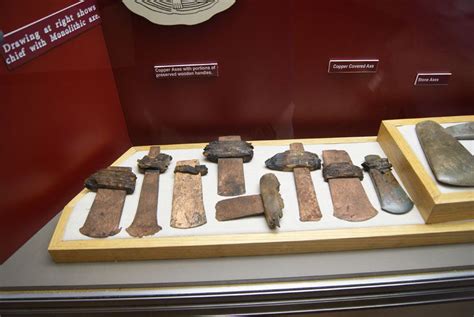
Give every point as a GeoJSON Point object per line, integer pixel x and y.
{"type": "Point", "coordinates": [434, 205]}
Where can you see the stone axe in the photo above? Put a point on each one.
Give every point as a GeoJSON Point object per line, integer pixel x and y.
{"type": "Point", "coordinates": [451, 163]}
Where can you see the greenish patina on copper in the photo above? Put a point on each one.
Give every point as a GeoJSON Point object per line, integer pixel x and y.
{"type": "Point", "coordinates": [392, 197]}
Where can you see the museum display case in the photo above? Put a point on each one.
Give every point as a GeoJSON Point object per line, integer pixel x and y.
{"type": "Point", "coordinates": [237, 157]}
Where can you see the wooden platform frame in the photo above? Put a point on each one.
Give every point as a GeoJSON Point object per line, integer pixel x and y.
{"type": "Point", "coordinates": [434, 206]}
{"type": "Point", "coordinates": [251, 244]}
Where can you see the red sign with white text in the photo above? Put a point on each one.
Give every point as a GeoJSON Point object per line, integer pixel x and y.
{"type": "Point", "coordinates": [32, 40]}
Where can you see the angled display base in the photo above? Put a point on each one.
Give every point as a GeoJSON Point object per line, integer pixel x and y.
{"type": "Point", "coordinates": [249, 236]}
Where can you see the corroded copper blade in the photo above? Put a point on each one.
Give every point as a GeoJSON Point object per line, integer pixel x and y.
{"type": "Point", "coordinates": [145, 222]}
{"type": "Point", "coordinates": [230, 173]}
{"type": "Point", "coordinates": [463, 131]}
{"type": "Point", "coordinates": [103, 219]}
{"type": "Point", "coordinates": [239, 207]}
{"type": "Point", "coordinates": [307, 200]}
{"type": "Point", "coordinates": [188, 207]}
{"type": "Point", "coordinates": [392, 197]}
{"type": "Point", "coordinates": [449, 160]}
{"type": "Point", "coordinates": [349, 199]}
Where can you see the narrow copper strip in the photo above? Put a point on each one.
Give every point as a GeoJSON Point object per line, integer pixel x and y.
{"type": "Point", "coordinates": [145, 222]}
{"type": "Point", "coordinates": [307, 199]}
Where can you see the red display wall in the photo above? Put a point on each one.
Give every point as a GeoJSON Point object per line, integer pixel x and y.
{"type": "Point", "coordinates": [60, 120]}
{"type": "Point", "coordinates": [273, 59]}
{"type": "Point", "coordinates": [72, 110]}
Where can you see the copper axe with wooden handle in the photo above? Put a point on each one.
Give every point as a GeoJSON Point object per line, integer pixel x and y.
{"type": "Point", "coordinates": [301, 163]}
{"type": "Point", "coordinates": [229, 152]}
{"type": "Point", "coordinates": [152, 165]}
{"type": "Point", "coordinates": [268, 202]}
{"type": "Point", "coordinates": [112, 184]}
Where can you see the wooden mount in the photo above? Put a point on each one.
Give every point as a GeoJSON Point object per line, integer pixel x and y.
{"type": "Point", "coordinates": [113, 177]}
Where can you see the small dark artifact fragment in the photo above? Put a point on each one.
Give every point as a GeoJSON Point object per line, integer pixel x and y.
{"type": "Point", "coordinates": [450, 161]}
{"type": "Point", "coordinates": [230, 152]}
{"type": "Point", "coordinates": [188, 207]}
{"type": "Point", "coordinates": [194, 170]}
{"type": "Point", "coordinates": [392, 197]}
{"type": "Point", "coordinates": [463, 131]}
{"type": "Point", "coordinates": [154, 161]}
{"type": "Point", "coordinates": [112, 184]}
{"type": "Point", "coordinates": [348, 196]}
{"type": "Point", "coordinates": [152, 165]}
{"type": "Point", "coordinates": [301, 163]}
{"type": "Point", "coordinates": [269, 203]}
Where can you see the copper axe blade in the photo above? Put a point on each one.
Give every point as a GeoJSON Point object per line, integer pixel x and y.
{"type": "Point", "coordinates": [392, 197]}
{"type": "Point", "coordinates": [229, 152]}
{"type": "Point", "coordinates": [145, 222]}
{"type": "Point", "coordinates": [301, 163]}
{"type": "Point", "coordinates": [349, 199]}
{"type": "Point", "coordinates": [269, 203]}
{"type": "Point", "coordinates": [112, 184]}
{"type": "Point", "coordinates": [188, 206]}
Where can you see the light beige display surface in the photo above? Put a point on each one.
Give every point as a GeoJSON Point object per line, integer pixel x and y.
{"type": "Point", "coordinates": [248, 236]}
{"type": "Point", "coordinates": [436, 202]}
